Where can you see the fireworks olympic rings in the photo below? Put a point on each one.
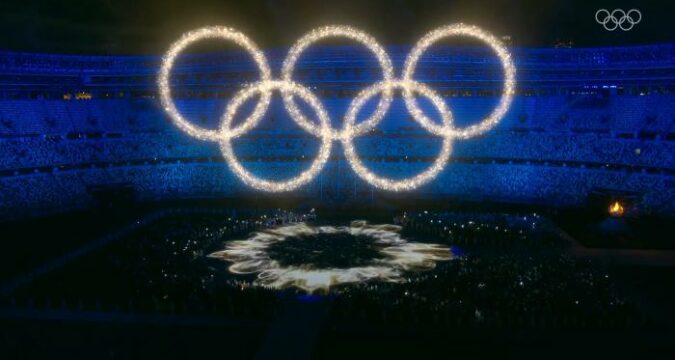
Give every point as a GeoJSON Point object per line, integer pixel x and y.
{"type": "Point", "coordinates": [323, 130]}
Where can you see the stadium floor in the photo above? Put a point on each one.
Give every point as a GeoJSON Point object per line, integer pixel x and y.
{"type": "Point", "coordinates": [298, 326]}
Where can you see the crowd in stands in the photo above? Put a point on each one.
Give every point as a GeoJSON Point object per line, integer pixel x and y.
{"type": "Point", "coordinates": [592, 149]}
{"type": "Point", "coordinates": [554, 144]}
{"type": "Point", "coordinates": [629, 113]}
{"type": "Point", "coordinates": [560, 185]}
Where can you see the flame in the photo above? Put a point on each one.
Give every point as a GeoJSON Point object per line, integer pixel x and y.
{"type": "Point", "coordinates": [616, 209]}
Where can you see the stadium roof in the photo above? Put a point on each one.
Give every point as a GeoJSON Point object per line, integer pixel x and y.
{"type": "Point", "coordinates": [148, 26]}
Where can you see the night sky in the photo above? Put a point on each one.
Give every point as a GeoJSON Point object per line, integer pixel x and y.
{"type": "Point", "coordinates": [147, 27]}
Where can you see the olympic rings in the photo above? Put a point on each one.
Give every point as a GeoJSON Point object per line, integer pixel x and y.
{"type": "Point", "coordinates": [353, 34]}
{"type": "Point", "coordinates": [262, 88]}
{"type": "Point", "coordinates": [187, 39]}
{"type": "Point", "coordinates": [324, 130]}
{"type": "Point", "coordinates": [618, 22]}
{"type": "Point", "coordinates": [504, 57]}
{"type": "Point", "coordinates": [444, 131]}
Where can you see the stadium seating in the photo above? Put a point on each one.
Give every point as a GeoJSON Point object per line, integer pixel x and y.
{"type": "Point", "coordinates": [554, 146]}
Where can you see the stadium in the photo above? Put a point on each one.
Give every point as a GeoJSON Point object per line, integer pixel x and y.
{"type": "Point", "coordinates": [126, 236]}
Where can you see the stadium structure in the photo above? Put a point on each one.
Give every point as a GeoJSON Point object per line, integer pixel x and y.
{"type": "Point", "coordinates": [550, 235]}
{"type": "Point", "coordinates": [584, 121]}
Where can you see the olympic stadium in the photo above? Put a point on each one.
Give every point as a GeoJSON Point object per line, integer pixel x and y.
{"type": "Point", "coordinates": [315, 198]}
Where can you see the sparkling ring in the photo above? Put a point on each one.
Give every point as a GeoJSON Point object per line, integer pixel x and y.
{"type": "Point", "coordinates": [443, 131]}
{"type": "Point", "coordinates": [289, 90]}
{"type": "Point", "coordinates": [350, 33]}
{"type": "Point", "coordinates": [200, 34]}
{"type": "Point", "coordinates": [227, 135]}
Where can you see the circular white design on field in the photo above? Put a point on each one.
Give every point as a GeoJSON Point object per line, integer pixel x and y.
{"type": "Point", "coordinates": [250, 256]}
{"type": "Point", "coordinates": [351, 128]}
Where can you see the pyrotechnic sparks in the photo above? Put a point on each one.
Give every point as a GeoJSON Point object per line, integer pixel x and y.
{"type": "Point", "coordinates": [251, 256]}
{"type": "Point", "coordinates": [350, 129]}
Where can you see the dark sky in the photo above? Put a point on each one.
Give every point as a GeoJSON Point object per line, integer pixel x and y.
{"type": "Point", "coordinates": [135, 27]}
